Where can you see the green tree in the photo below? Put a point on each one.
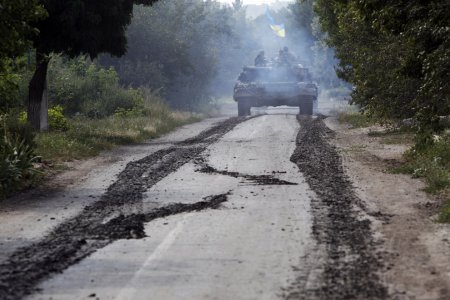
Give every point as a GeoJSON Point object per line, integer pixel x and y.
{"type": "Point", "coordinates": [186, 57]}
{"type": "Point", "coordinates": [15, 26]}
{"type": "Point", "coordinates": [15, 34]}
{"type": "Point", "coordinates": [76, 27]}
{"type": "Point", "coordinates": [395, 53]}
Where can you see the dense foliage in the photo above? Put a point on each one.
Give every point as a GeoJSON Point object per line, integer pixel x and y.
{"type": "Point", "coordinates": [82, 87]}
{"type": "Point", "coordinates": [73, 28]}
{"type": "Point", "coordinates": [179, 57]}
{"type": "Point", "coordinates": [85, 27]}
{"type": "Point", "coordinates": [16, 30]}
{"type": "Point", "coordinates": [395, 53]}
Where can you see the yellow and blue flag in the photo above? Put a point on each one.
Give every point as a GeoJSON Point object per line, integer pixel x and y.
{"type": "Point", "coordinates": [277, 28]}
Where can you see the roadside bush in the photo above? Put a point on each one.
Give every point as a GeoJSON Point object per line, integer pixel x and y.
{"type": "Point", "coordinates": [148, 103]}
{"type": "Point", "coordinates": [82, 87]}
{"type": "Point", "coordinates": [431, 163]}
{"type": "Point", "coordinates": [17, 157]}
{"type": "Point", "coordinates": [444, 217]}
{"type": "Point", "coordinates": [16, 126]}
{"type": "Point", "coordinates": [56, 119]}
{"type": "Point", "coordinates": [13, 84]}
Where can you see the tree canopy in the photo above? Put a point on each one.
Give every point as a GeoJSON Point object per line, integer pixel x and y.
{"type": "Point", "coordinates": [181, 57]}
{"type": "Point", "coordinates": [16, 29]}
{"type": "Point", "coordinates": [395, 53]}
{"type": "Point", "coordinates": [76, 27]}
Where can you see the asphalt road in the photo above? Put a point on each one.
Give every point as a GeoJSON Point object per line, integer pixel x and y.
{"type": "Point", "coordinates": [243, 250]}
{"type": "Point", "coordinates": [223, 209]}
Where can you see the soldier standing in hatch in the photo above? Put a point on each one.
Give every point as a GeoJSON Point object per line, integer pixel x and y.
{"type": "Point", "coordinates": [286, 57]}
{"type": "Point", "coordinates": [281, 59]}
{"type": "Point", "coordinates": [260, 60]}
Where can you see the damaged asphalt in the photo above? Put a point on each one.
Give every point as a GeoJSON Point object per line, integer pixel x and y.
{"type": "Point", "coordinates": [82, 235]}
{"type": "Point", "coordinates": [292, 210]}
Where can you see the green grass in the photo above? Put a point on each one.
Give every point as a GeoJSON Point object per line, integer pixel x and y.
{"type": "Point", "coordinates": [444, 216]}
{"type": "Point", "coordinates": [356, 119]}
{"type": "Point", "coordinates": [87, 137]}
{"type": "Point", "coordinates": [433, 165]}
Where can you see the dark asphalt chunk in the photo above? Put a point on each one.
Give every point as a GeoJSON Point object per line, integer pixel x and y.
{"type": "Point", "coordinates": [351, 263]}
{"type": "Point", "coordinates": [117, 215]}
{"type": "Point", "coordinates": [132, 226]}
{"type": "Point", "coordinates": [252, 179]}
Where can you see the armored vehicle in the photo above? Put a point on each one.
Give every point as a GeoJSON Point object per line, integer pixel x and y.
{"type": "Point", "coordinates": [275, 86]}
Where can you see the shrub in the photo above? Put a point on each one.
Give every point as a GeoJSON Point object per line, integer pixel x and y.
{"type": "Point", "coordinates": [17, 160]}
{"type": "Point", "coordinates": [56, 119]}
{"type": "Point", "coordinates": [82, 87]}
{"type": "Point", "coordinates": [16, 164]}
{"type": "Point", "coordinates": [17, 127]}
{"type": "Point", "coordinates": [431, 163]}
{"type": "Point", "coordinates": [444, 216]}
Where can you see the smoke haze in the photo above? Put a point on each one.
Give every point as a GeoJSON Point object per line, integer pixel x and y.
{"type": "Point", "coordinates": [195, 58]}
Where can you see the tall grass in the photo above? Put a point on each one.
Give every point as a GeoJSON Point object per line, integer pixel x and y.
{"type": "Point", "coordinates": [356, 119]}
{"type": "Point", "coordinates": [432, 164]}
{"type": "Point", "coordinates": [17, 156]}
{"type": "Point", "coordinates": [86, 137]}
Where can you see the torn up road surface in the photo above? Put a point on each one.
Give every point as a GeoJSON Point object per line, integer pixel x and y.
{"type": "Point", "coordinates": [248, 208]}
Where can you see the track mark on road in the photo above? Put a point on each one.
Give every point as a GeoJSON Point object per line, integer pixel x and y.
{"type": "Point", "coordinates": [351, 264]}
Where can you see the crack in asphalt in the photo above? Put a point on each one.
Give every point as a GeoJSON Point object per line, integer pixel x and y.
{"type": "Point", "coordinates": [121, 205]}
{"type": "Point", "coordinates": [351, 265]}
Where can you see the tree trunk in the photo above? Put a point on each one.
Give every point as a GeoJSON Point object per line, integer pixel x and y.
{"type": "Point", "coordinates": [37, 97]}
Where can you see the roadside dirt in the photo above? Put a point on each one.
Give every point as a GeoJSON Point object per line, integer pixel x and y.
{"type": "Point", "coordinates": [416, 248]}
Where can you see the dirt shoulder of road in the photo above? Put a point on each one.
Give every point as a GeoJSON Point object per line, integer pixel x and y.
{"type": "Point", "coordinates": [416, 247]}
